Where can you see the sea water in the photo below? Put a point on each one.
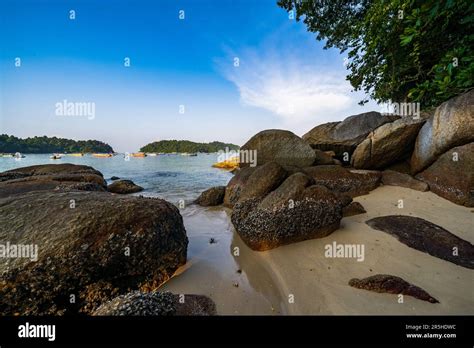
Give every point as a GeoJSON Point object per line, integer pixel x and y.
{"type": "Point", "coordinates": [170, 177]}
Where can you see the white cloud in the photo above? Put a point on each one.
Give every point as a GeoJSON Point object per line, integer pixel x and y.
{"type": "Point", "coordinates": [293, 89]}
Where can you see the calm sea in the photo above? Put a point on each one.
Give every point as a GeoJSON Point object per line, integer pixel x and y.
{"type": "Point", "coordinates": [171, 177]}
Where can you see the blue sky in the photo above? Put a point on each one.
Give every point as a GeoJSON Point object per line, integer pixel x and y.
{"type": "Point", "coordinates": [235, 66]}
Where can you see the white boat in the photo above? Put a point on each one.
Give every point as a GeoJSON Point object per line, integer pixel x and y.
{"type": "Point", "coordinates": [55, 156]}
{"type": "Point", "coordinates": [152, 154]}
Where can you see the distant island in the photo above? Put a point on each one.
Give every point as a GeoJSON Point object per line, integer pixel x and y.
{"type": "Point", "coordinates": [44, 144]}
{"type": "Point", "coordinates": [180, 146]}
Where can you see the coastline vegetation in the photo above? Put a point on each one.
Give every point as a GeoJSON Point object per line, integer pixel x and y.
{"type": "Point", "coordinates": [183, 146]}
{"type": "Point", "coordinates": [44, 144]}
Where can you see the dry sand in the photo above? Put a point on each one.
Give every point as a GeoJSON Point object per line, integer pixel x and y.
{"type": "Point", "coordinates": [318, 285]}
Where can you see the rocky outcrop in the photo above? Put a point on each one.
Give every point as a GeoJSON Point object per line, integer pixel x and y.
{"type": "Point", "coordinates": [124, 187]}
{"type": "Point", "coordinates": [384, 283]}
{"type": "Point", "coordinates": [344, 136]}
{"type": "Point", "coordinates": [280, 146]}
{"type": "Point", "coordinates": [62, 177]}
{"type": "Point", "coordinates": [262, 181]}
{"type": "Point", "coordinates": [354, 208]}
{"type": "Point", "coordinates": [292, 213]}
{"type": "Point", "coordinates": [393, 178]}
{"type": "Point", "coordinates": [235, 186]}
{"type": "Point", "coordinates": [387, 144]}
{"type": "Point", "coordinates": [427, 237]}
{"type": "Point", "coordinates": [342, 180]}
{"type": "Point", "coordinates": [211, 197]}
{"type": "Point", "coordinates": [155, 303]}
{"type": "Point", "coordinates": [91, 247]}
{"type": "Point", "coordinates": [451, 125]}
{"type": "Point", "coordinates": [452, 175]}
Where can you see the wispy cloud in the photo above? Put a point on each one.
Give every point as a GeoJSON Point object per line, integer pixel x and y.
{"type": "Point", "coordinates": [295, 88]}
{"type": "Point", "coordinates": [287, 86]}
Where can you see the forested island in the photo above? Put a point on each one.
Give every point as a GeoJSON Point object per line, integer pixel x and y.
{"type": "Point", "coordinates": [44, 144]}
{"type": "Point", "coordinates": [170, 146]}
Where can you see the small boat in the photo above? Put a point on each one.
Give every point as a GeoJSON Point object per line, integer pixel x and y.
{"type": "Point", "coordinates": [138, 154]}
{"type": "Point", "coordinates": [102, 155]}
{"type": "Point", "coordinates": [76, 154]}
{"type": "Point", "coordinates": [152, 154]}
{"type": "Point", "coordinates": [188, 154]}
{"type": "Point", "coordinates": [193, 154]}
{"type": "Point", "coordinates": [9, 155]}
{"type": "Point", "coordinates": [55, 156]}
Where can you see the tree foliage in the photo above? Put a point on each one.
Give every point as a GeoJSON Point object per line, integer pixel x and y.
{"type": "Point", "coordinates": [168, 146]}
{"type": "Point", "coordinates": [398, 50]}
{"type": "Point", "coordinates": [12, 144]}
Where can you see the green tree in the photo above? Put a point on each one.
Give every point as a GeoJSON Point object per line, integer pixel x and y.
{"type": "Point", "coordinates": [398, 50]}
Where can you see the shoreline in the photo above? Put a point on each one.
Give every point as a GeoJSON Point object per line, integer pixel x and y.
{"type": "Point", "coordinates": [319, 285]}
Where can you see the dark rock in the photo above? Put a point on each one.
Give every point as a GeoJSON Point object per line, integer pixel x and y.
{"type": "Point", "coordinates": [322, 158]}
{"type": "Point", "coordinates": [102, 247]}
{"type": "Point", "coordinates": [401, 167]}
{"type": "Point", "coordinates": [425, 236]}
{"type": "Point", "coordinates": [114, 178]}
{"type": "Point", "coordinates": [393, 178]}
{"type": "Point", "coordinates": [451, 125]}
{"type": "Point", "coordinates": [453, 179]}
{"type": "Point", "coordinates": [343, 180]}
{"type": "Point", "coordinates": [291, 188]}
{"type": "Point", "coordinates": [387, 144]}
{"type": "Point", "coordinates": [384, 283]}
{"type": "Point", "coordinates": [280, 146]}
{"type": "Point", "coordinates": [67, 177]}
{"type": "Point", "coordinates": [344, 136]}
{"type": "Point", "coordinates": [263, 180]}
{"type": "Point", "coordinates": [124, 187]}
{"type": "Point", "coordinates": [354, 208]}
{"type": "Point", "coordinates": [212, 197]}
{"type": "Point", "coordinates": [157, 303]}
{"type": "Point", "coordinates": [288, 215]}
{"type": "Point", "coordinates": [235, 186]}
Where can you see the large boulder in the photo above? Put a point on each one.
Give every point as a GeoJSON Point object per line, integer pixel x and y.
{"type": "Point", "coordinates": [387, 144]}
{"type": "Point", "coordinates": [292, 213]}
{"type": "Point", "coordinates": [86, 246]}
{"type": "Point", "coordinates": [343, 137]}
{"type": "Point", "coordinates": [154, 303]}
{"type": "Point", "coordinates": [452, 175]}
{"type": "Point", "coordinates": [124, 187]}
{"type": "Point", "coordinates": [280, 146]}
{"type": "Point", "coordinates": [348, 181]}
{"type": "Point", "coordinates": [62, 177]}
{"type": "Point", "coordinates": [254, 183]}
{"type": "Point", "coordinates": [211, 197]}
{"type": "Point", "coordinates": [451, 125]}
{"type": "Point", "coordinates": [236, 184]}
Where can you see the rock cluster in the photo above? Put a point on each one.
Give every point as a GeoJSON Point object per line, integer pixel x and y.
{"type": "Point", "coordinates": [92, 245]}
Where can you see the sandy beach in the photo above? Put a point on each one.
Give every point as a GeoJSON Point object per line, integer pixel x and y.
{"type": "Point", "coordinates": [299, 279]}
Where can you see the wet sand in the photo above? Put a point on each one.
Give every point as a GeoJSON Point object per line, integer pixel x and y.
{"type": "Point", "coordinates": [299, 279]}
